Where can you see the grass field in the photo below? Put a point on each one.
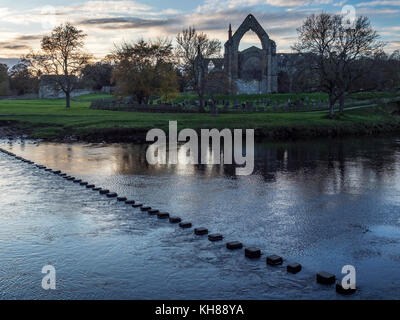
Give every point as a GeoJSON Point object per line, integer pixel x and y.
{"type": "Point", "coordinates": [49, 119]}
{"type": "Point", "coordinates": [283, 97]}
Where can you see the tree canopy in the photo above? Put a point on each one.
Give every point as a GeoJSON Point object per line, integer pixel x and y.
{"type": "Point", "coordinates": [62, 54]}
{"type": "Point", "coordinates": [143, 69]}
{"type": "Point", "coordinates": [337, 49]}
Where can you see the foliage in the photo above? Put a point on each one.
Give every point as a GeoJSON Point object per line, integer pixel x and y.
{"type": "Point", "coordinates": [143, 69]}
{"type": "Point", "coordinates": [22, 80]}
{"type": "Point", "coordinates": [4, 81]}
{"type": "Point", "coordinates": [97, 75]}
{"type": "Point", "coordinates": [217, 83]}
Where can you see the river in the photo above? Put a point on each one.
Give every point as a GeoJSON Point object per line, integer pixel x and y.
{"type": "Point", "coordinates": [322, 203]}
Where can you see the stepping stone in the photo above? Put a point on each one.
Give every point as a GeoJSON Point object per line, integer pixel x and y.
{"type": "Point", "coordinates": [137, 205]}
{"type": "Point", "coordinates": [130, 201]}
{"type": "Point", "coordinates": [63, 175]}
{"type": "Point", "coordinates": [121, 199]}
{"type": "Point", "coordinates": [175, 219]}
{"type": "Point", "coordinates": [185, 225]}
{"type": "Point", "coordinates": [274, 260]}
{"type": "Point", "coordinates": [104, 191]}
{"type": "Point", "coordinates": [57, 172]}
{"type": "Point", "coordinates": [77, 181]}
{"type": "Point", "coordinates": [215, 237]}
{"type": "Point", "coordinates": [341, 290]}
{"type": "Point", "coordinates": [163, 215]}
{"type": "Point", "coordinates": [200, 231]}
{"type": "Point", "coordinates": [252, 253]}
{"type": "Point", "coordinates": [234, 245]}
{"type": "Point", "coordinates": [96, 189]}
{"type": "Point", "coordinates": [90, 186]}
{"type": "Point", "coordinates": [293, 268]}
{"type": "Point", "coordinates": [326, 277]}
{"type": "Point", "coordinates": [71, 178]}
{"type": "Point", "coordinates": [145, 208]}
{"type": "Point", "coordinates": [112, 195]}
{"type": "Point", "coordinates": [47, 169]}
{"type": "Point", "coordinates": [153, 212]}
{"type": "Point", "coordinates": [83, 183]}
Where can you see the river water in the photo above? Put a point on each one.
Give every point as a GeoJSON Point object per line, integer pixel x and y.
{"type": "Point", "coordinates": [323, 203]}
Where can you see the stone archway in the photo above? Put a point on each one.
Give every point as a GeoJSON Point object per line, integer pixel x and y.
{"type": "Point", "coordinates": [250, 23]}
{"type": "Point", "coordinates": [268, 62]}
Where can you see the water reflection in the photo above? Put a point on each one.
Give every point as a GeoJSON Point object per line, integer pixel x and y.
{"type": "Point", "coordinates": [324, 203]}
{"type": "Point", "coordinates": [332, 165]}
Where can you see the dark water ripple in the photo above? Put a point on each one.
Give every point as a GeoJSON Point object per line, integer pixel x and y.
{"type": "Point", "coordinates": [324, 204]}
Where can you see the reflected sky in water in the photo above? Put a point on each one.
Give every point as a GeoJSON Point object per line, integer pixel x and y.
{"type": "Point", "coordinates": [323, 203]}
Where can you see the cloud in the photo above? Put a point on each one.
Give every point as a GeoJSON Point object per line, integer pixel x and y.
{"type": "Point", "coordinates": [126, 23]}
{"type": "Point", "coordinates": [393, 45]}
{"type": "Point", "coordinates": [212, 5]}
{"type": "Point", "coordinates": [109, 22]}
{"type": "Point", "coordinates": [94, 8]}
{"type": "Point", "coordinates": [28, 37]}
{"type": "Point", "coordinates": [14, 46]}
{"type": "Point", "coordinates": [392, 3]}
{"type": "Point", "coordinates": [371, 11]}
{"type": "Point", "coordinates": [281, 26]}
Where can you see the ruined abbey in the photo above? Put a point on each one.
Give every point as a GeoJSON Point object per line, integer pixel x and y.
{"type": "Point", "coordinates": [254, 70]}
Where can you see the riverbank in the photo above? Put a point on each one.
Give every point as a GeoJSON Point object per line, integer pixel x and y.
{"type": "Point", "coordinates": [50, 121]}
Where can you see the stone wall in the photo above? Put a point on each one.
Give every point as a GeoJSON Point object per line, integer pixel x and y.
{"type": "Point", "coordinates": [48, 92]}
{"type": "Point", "coordinates": [248, 86]}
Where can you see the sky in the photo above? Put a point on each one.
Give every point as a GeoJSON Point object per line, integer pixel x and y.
{"type": "Point", "coordinates": [107, 23]}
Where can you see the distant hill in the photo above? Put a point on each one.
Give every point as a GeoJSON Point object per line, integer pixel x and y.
{"type": "Point", "coordinates": [9, 61]}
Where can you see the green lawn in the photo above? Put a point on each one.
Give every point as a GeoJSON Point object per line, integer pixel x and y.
{"type": "Point", "coordinates": [281, 97]}
{"type": "Point", "coordinates": [93, 96]}
{"type": "Point", "coordinates": [49, 118]}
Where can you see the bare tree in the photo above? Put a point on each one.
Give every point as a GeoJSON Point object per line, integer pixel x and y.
{"type": "Point", "coordinates": [62, 55]}
{"type": "Point", "coordinates": [192, 48]}
{"type": "Point", "coordinates": [337, 48]}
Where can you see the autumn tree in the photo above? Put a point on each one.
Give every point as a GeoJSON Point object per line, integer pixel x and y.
{"type": "Point", "coordinates": [190, 45]}
{"type": "Point", "coordinates": [62, 55]}
{"type": "Point", "coordinates": [217, 83]}
{"type": "Point", "coordinates": [143, 69]}
{"type": "Point", "coordinates": [22, 80]}
{"type": "Point", "coordinates": [97, 75]}
{"type": "Point", "coordinates": [337, 48]}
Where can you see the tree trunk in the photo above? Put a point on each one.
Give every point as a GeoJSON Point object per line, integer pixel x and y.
{"type": "Point", "coordinates": [68, 99]}
{"type": "Point", "coordinates": [201, 106]}
{"type": "Point", "coordinates": [331, 107]}
{"type": "Point", "coordinates": [341, 104]}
